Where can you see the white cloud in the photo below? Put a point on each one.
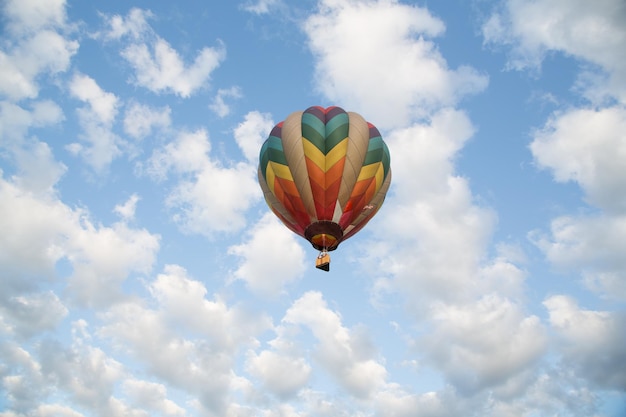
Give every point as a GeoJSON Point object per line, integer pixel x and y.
{"type": "Point", "coordinates": [592, 341]}
{"type": "Point", "coordinates": [187, 341]}
{"type": "Point", "coordinates": [87, 374]}
{"type": "Point", "coordinates": [152, 396]}
{"type": "Point", "coordinates": [80, 374]}
{"type": "Point", "coordinates": [46, 52]}
{"type": "Point", "coordinates": [394, 401]}
{"type": "Point", "coordinates": [187, 153]}
{"type": "Point", "coordinates": [40, 230]}
{"type": "Point", "coordinates": [587, 146]}
{"type": "Point", "coordinates": [410, 76]}
{"type": "Point", "coordinates": [219, 105]}
{"type": "Point", "coordinates": [340, 352]}
{"type": "Point", "coordinates": [29, 315]}
{"type": "Point", "coordinates": [251, 133]}
{"type": "Point", "coordinates": [209, 197]}
{"type": "Point", "coordinates": [33, 47]}
{"type": "Point", "coordinates": [127, 210]}
{"type": "Point", "coordinates": [103, 257]}
{"type": "Point", "coordinates": [259, 6]}
{"type": "Point", "coordinates": [159, 68]}
{"type": "Point", "coordinates": [33, 233]}
{"type": "Point", "coordinates": [102, 105]}
{"type": "Point", "coordinates": [101, 145]}
{"type": "Point", "coordinates": [484, 344]}
{"type": "Point", "coordinates": [37, 169]}
{"type": "Point", "coordinates": [141, 120]}
{"type": "Point", "coordinates": [23, 380]}
{"type": "Point", "coordinates": [438, 234]}
{"type": "Point", "coordinates": [55, 410]}
{"type": "Point", "coordinates": [183, 299]}
{"type": "Point", "coordinates": [592, 245]}
{"type": "Point", "coordinates": [593, 32]}
{"type": "Point", "coordinates": [33, 15]}
{"type": "Point", "coordinates": [272, 258]}
{"type": "Point", "coordinates": [281, 374]}
{"type": "Point", "coordinates": [135, 25]}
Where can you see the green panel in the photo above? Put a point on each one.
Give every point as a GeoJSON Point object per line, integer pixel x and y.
{"type": "Point", "coordinates": [272, 150]}
{"type": "Point", "coordinates": [264, 157]}
{"type": "Point", "coordinates": [377, 152]}
{"type": "Point", "coordinates": [313, 129]}
{"type": "Point", "coordinates": [336, 131]}
{"type": "Point", "coordinates": [386, 159]}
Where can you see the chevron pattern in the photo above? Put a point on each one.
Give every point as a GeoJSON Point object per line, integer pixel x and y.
{"type": "Point", "coordinates": [325, 141]}
{"type": "Point", "coordinates": [323, 166]}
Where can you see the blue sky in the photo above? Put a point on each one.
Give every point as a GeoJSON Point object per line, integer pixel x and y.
{"type": "Point", "coordinates": [143, 274]}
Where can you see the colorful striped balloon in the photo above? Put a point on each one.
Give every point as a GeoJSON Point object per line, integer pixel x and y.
{"type": "Point", "coordinates": [324, 173]}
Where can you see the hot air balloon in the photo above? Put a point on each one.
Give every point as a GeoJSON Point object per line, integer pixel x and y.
{"type": "Point", "coordinates": [324, 173]}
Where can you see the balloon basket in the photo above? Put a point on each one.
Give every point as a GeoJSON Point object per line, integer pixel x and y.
{"type": "Point", "coordinates": [323, 261]}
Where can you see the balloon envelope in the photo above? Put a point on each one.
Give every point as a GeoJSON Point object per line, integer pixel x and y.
{"type": "Point", "coordinates": [324, 172]}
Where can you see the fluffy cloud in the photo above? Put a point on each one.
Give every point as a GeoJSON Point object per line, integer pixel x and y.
{"type": "Point", "coordinates": [29, 315]}
{"type": "Point", "coordinates": [140, 120]}
{"type": "Point", "coordinates": [592, 341]}
{"type": "Point", "coordinates": [184, 300]}
{"type": "Point", "coordinates": [593, 32]}
{"type": "Point", "coordinates": [102, 105]}
{"type": "Point", "coordinates": [587, 146]}
{"type": "Point", "coordinates": [198, 359]}
{"type": "Point", "coordinates": [152, 396]}
{"type": "Point", "coordinates": [34, 47]}
{"type": "Point", "coordinates": [439, 233]}
{"type": "Point", "coordinates": [219, 105]}
{"type": "Point", "coordinates": [103, 257]}
{"type": "Point", "coordinates": [259, 6]}
{"type": "Point", "coordinates": [81, 373]}
{"type": "Point", "coordinates": [209, 197]}
{"type": "Point", "coordinates": [592, 245]}
{"type": "Point", "coordinates": [37, 169]}
{"type": "Point", "coordinates": [40, 231]}
{"type": "Point", "coordinates": [339, 351]}
{"type": "Point", "coordinates": [157, 66]}
{"type": "Point", "coordinates": [272, 258]}
{"type": "Point", "coordinates": [410, 77]}
{"type": "Point", "coordinates": [102, 145]}
{"type": "Point", "coordinates": [251, 133]}
{"type": "Point", "coordinates": [127, 210]}
{"type": "Point", "coordinates": [135, 25]}
{"type": "Point", "coordinates": [33, 237]}
{"type": "Point", "coordinates": [280, 373]}
{"type": "Point", "coordinates": [33, 15]}
{"type": "Point", "coordinates": [485, 344]}
{"type": "Point", "coordinates": [22, 377]}
{"type": "Point", "coordinates": [394, 401]}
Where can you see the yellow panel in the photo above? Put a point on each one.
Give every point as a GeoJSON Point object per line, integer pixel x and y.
{"type": "Point", "coordinates": [270, 177]}
{"type": "Point", "coordinates": [338, 152]}
{"type": "Point", "coordinates": [281, 171]}
{"type": "Point", "coordinates": [314, 154]}
{"type": "Point", "coordinates": [380, 175]}
{"type": "Point", "coordinates": [368, 171]}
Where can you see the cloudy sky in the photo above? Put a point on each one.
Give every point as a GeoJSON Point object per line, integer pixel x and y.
{"type": "Point", "coordinates": [142, 273]}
